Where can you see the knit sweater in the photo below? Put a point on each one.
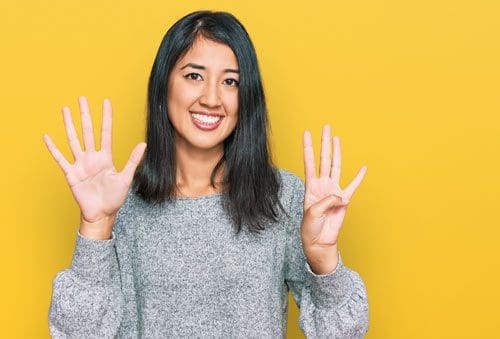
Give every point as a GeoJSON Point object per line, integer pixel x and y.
{"type": "Point", "coordinates": [179, 270]}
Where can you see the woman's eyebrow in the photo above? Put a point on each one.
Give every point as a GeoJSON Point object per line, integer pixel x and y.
{"type": "Point", "coordinates": [196, 66]}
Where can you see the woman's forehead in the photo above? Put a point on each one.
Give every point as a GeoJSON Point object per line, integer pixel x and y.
{"type": "Point", "coordinates": [210, 54]}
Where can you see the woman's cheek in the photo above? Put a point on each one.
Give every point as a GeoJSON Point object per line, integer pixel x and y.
{"type": "Point", "coordinates": [187, 93]}
{"type": "Point", "coordinates": [232, 106]}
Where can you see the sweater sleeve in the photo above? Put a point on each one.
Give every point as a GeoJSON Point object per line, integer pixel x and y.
{"type": "Point", "coordinates": [332, 305]}
{"type": "Point", "coordinates": [92, 298]}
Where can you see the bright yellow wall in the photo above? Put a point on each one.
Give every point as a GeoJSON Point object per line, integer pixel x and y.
{"type": "Point", "coordinates": [411, 88]}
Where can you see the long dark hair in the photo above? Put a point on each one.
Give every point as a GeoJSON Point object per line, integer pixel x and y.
{"type": "Point", "coordinates": [249, 177]}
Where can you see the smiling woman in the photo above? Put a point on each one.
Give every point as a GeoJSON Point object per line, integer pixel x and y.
{"type": "Point", "coordinates": [203, 105]}
{"type": "Point", "coordinates": [206, 65]}
{"type": "Point", "coordinates": [200, 234]}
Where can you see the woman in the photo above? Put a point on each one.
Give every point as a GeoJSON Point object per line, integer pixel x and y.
{"type": "Point", "coordinates": [200, 235]}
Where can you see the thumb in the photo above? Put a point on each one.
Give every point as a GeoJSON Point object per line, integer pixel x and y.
{"type": "Point", "coordinates": [133, 161]}
{"type": "Point", "coordinates": [320, 208]}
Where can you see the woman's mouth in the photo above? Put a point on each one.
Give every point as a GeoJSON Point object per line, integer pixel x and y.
{"type": "Point", "coordinates": [206, 122]}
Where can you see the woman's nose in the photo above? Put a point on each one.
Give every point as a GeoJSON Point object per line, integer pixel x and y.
{"type": "Point", "coordinates": [210, 96]}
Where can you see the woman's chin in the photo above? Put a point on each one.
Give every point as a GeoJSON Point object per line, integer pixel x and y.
{"type": "Point", "coordinates": [207, 144]}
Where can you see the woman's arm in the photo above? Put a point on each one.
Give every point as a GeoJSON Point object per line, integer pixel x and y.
{"type": "Point", "coordinates": [86, 299]}
{"type": "Point", "coordinates": [332, 305]}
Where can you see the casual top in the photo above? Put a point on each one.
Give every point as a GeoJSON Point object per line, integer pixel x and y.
{"type": "Point", "coordinates": [179, 270]}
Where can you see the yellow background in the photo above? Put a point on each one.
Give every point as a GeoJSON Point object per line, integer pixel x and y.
{"type": "Point", "coordinates": [411, 88]}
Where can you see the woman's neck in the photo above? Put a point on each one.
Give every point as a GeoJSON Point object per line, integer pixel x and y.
{"type": "Point", "coordinates": [194, 168]}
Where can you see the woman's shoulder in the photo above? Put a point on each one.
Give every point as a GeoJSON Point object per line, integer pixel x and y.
{"type": "Point", "coordinates": [292, 186]}
{"type": "Point", "coordinates": [288, 178]}
{"type": "Point", "coordinates": [130, 209]}
{"type": "Point", "coordinates": [131, 202]}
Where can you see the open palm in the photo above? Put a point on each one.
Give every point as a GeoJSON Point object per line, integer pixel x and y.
{"type": "Point", "coordinates": [325, 203]}
{"type": "Point", "coordinates": [93, 179]}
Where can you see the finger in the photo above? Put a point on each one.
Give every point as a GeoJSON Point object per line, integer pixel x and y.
{"type": "Point", "coordinates": [341, 199]}
{"type": "Point", "coordinates": [326, 148]}
{"type": "Point", "coordinates": [349, 191]}
{"type": "Point", "coordinates": [74, 142]}
{"type": "Point", "coordinates": [319, 208]}
{"type": "Point", "coordinates": [335, 175]}
{"type": "Point", "coordinates": [88, 131]}
{"type": "Point", "coordinates": [57, 155]}
{"type": "Point", "coordinates": [133, 161]}
{"type": "Point", "coordinates": [309, 163]}
{"type": "Point", "coordinates": [107, 117]}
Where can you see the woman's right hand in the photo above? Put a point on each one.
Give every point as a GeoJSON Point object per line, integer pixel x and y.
{"type": "Point", "coordinates": [98, 188]}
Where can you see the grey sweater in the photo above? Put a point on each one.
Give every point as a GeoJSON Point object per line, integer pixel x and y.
{"type": "Point", "coordinates": [179, 270]}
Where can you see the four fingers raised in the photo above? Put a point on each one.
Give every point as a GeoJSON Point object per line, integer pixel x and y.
{"type": "Point", "coordinates": [329, 166]}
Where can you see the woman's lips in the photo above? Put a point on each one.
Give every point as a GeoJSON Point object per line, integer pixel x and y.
{"type": "Point", "coordinates": [204, 125]}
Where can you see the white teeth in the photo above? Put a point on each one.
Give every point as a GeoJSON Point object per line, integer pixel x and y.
{"type": "Point", "coordinates": [205, 118]}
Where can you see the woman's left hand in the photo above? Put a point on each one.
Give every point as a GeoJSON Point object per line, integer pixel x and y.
{"type": "Point", "coordinates": [325, 203]}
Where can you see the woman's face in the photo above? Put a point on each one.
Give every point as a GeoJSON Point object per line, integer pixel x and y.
{"type": "Point", "coordinates": [203, 95]}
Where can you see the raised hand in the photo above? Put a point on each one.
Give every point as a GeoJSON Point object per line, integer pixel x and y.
{"type": "Point", "coordinates": [93, 179]}
{"type": "Point", "coordinates": [325, 203]}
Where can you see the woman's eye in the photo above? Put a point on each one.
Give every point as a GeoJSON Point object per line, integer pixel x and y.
{"type": "Point", "coordinates": [193, 76]}
{"type": "Point", "coordinates": [232, 82]}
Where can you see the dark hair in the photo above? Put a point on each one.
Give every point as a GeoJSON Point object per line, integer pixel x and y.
{"type": "Point", "coordinates": [249, 177]}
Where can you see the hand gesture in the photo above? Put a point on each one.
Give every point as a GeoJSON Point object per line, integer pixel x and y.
{"type": "Point", "coordinates": [325, 203]}
{"type": "Point", "coordinates": [94, 181]}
